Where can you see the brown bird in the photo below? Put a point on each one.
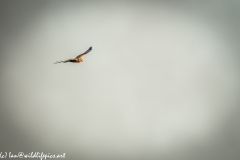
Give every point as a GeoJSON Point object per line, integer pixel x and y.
{"type": "Point", "coordinates": [78, 59]}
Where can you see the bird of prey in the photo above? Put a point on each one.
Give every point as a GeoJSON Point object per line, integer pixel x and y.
{"type": "Point", "coordinates": [78, 59]}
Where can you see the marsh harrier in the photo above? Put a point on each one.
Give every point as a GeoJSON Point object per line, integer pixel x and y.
{"type": "Point", "coordinates": [78, 59]}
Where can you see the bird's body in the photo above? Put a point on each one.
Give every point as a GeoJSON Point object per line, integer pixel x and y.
{"type": "Point", "coordinates": [78, 59]}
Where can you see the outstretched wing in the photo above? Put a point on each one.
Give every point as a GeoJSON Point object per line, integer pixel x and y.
{"type": "Point", "coordinates": [69, 60]}
{"type": "Point", "coordinates": [59, 62]}
{"type": "Point", "coordinates": [84, 53]}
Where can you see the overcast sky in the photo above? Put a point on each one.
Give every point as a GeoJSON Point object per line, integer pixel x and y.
{"type": "Point", "coordinates": [161, 82]}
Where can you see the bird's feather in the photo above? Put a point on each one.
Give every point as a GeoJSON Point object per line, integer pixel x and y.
{"type": "Point", "coordinates": [84, 53]}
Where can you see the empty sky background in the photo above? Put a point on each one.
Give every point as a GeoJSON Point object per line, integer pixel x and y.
{"type": "Point", "coordinates": [162, 80]}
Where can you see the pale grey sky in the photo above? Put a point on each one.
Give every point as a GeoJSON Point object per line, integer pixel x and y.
{"type": "Point", "coordinates": [162, 80]}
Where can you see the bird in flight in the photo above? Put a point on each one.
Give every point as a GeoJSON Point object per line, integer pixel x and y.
{"type": "Point", "coordinates": [78, 59]}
